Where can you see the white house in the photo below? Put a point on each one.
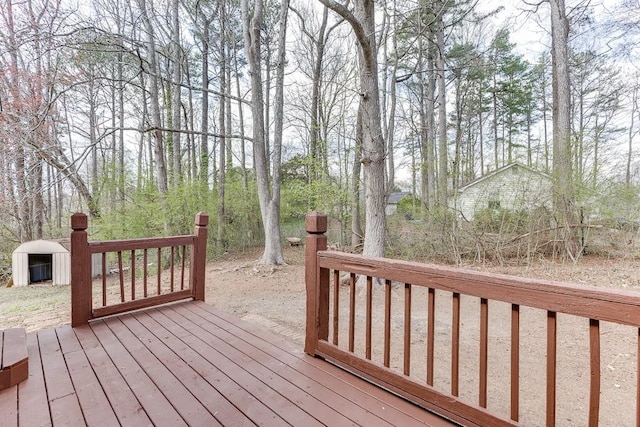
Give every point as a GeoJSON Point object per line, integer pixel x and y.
{"type": "Point", "coordinates": [512, 187]}
{"type": "Point", "coordinates": [41, 261]}
{"type": "Point", "coordinates": [394, 200]}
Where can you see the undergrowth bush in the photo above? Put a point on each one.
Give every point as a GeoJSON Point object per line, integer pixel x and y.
{"type": "Point", "coordinates": [495, 234]}
{"type": "Point", "coordinates": [501, 220]}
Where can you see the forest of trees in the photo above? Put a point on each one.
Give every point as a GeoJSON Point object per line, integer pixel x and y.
{"type": "Point", "coordinates": [144, 112]}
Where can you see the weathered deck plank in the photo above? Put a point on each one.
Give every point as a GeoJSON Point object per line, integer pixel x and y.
{"type": "Point", "coordinates": [9, 406]}
{"type": "Point", "coordinates": [317, 412]}
{"type": "Point", "coordinates": [370, 397]}
{"type": "Point", "coordinates": [189, 364]}
{"type": "Point", "coordinates": [63, 402]}
{"type": "Point", "coordinates": [124, 403]}
{"type": "Point", "coordinates": [93, 401]}
{"type": "Point", "coordinates": [33, 394]}
{"type": "Point", "coordinates": [157, 407]}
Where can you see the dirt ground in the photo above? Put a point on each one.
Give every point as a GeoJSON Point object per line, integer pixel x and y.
{"type": "Point", "coordinates": [274, 297]}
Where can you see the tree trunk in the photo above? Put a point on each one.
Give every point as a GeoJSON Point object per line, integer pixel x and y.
{"type": "Point", "coordinates": [363, 24]}
{"type": "Point", "coordinates": [243, 155]}
{"type": "Point", "coordinates": [269, 203]}
{"type": "Point", "coordinates": [121, 123]}
{"type": "Point", "coordinates": [356, 226]}
{"type": "Point", "coordinates": [273, 248]}
{"type": "Point", "coordinates": [431, 126]}
{"type": "Point", "coordinates": [204, 121]}
{"type": "Point", "coordinates": [391, 120]}
{"type": "Point", "coordinates": [158, 148]}
{"type": "Point", "coordinates": [563, 191]}
{"type": "Point", "coordinates": [442, 116]}
{"type": "Point", "coordinates": [314, 138]}
{"type": "Point", "coordinates": [177, 95]}
{"type": "Point", "coordinates": [632, 132]}
{"type": "Point", "coordinates": [223, 130]}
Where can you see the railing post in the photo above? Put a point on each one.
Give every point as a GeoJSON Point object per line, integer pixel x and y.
{"type": "Point", "coordinates": [199, 256]}
{"type": "Point", "coordinates": [81, 301]}
{"type": "Point", "coordinates": [316, 281]}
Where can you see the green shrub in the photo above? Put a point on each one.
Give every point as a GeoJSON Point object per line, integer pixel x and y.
{"type": "Point", "coordinates": [411, 207]}
{"type": "Point", "coordinates": [501, 220]}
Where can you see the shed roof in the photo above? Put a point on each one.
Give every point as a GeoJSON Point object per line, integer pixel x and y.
{"type": "Point", "coordinates": [41, 247]}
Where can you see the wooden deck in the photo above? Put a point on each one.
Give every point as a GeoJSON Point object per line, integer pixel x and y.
{"type": "Point", "coordinates": [189, 364]}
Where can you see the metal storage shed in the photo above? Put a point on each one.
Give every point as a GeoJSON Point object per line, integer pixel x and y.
{"type": "Point", "coordinates": [41, 261]}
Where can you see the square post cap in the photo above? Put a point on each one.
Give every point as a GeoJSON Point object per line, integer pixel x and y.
{"type": "Point", "coordinates": [79, 221]}
{"type": "Point", "coordinates": [316, 222]}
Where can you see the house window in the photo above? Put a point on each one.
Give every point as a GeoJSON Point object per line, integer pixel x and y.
{"type": "Point", "coordinates": [494, 204]}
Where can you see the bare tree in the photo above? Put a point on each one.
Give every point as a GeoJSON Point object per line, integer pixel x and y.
{"type": "Point", "coordinates": [563, 191]}
{"type": "Point", "coordinates": [362, 21]}
{"type": "Point", "coordinates": [442, 108]}
{"type": "Point", "coordinates": [154, 100]}
{"type": "Point", "coordinates": [633, 131]}
{"type": "Point", "coordinates": [269, 198]}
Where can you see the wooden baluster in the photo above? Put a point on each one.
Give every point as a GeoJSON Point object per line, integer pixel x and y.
{"type": "Point", "coordinates": [431, 333]}
{"type": "Point", "coordinates": [387, 322]}
{"type": "Point", "coordinates": [81, 299]}
{"type": "Point", "coordinates": [551, 367]}
{"type": "Point", "coordinates": [159, 276]}
{"type": "Point", "coordinates": [515, 362]}
{"type": "Point", "coordinates": [368, 320]}
{"type": "Point", "coordinates": [455, 344]}
{"type": "Point", "coordinates": [484, 347]}
{"type": "Point", "coordinates": [172, 267]}
{"type": "Point", "coordinates": [352, 311]}
{"type": "Point", "coordinates": [104, 279]}
{"type": "Point", "coordinates": [316, 282]}
{"type": "Point", "coordinates": [145, 272]}
{"type": "Point", "coordinates": [182, 269]}
{"type": "Point", "coordinates": [121, 276]}
{"type": "Point", "coordinates": [407, 329]}
{"type": "Point", "coordinates": [336, 305]}
{"type": "Point", "coordinates": [133, 275]}
{"type": "Point", "coordinates": [594, 386]}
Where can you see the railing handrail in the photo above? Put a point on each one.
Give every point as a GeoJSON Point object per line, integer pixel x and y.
{"type": "Point", "coordinates": [593, 304]}
{"type": "Point", "coordinates": [81, 267]}
{"type": "Point", "coordinates": [580, 300]}
{"type": "Point", "coordinates": [99, 246]}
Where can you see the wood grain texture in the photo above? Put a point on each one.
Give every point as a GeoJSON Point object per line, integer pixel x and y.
{"type": "Point", "coordinates": [580, 300]}
{"type": "Point", "coordinates": [189, 364]}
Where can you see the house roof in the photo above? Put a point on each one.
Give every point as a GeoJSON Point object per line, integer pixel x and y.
{"type": "Point", "coordinates": [500, 171]}
{"type": "Point", "coordinates": [394, 198]}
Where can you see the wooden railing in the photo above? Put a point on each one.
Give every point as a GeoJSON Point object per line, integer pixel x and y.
{"type": "Point", "coordinates": [440, 347]}
{"type": "Point", "coordinates": [116, 276]}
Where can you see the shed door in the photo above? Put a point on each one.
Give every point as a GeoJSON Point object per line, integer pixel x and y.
{"type": "Point", "coordinates": [40, 268]}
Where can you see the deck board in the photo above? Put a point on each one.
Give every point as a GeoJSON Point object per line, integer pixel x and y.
{"type": "Point", "coordinates": [32, 393]}
{"type": "Point", "coordinates": [369, 396]}
{"type": "Point", "coordinates": [190, 364]}
{"type": "Point", "coordinates": [298, 373]}
{"type": "Point", "coordinates": [9, 406]}
{"type": "Point", "coordinates": [63, 402]}
{"type": "Point", "coordinates": [123, 401]}
{"type": "Point", "coordinates": [287, 399]}
{"type": "Point", "coordinates": [95, 405]}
